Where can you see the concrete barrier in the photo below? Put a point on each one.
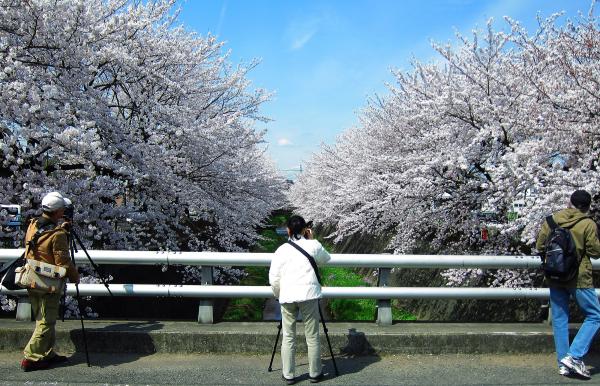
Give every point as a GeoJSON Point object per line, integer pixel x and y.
{"type": "Point", "coordinates": [347, 338]}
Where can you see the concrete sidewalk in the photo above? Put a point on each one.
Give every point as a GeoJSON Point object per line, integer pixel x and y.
{"type": "Point", "coordinates": [245, 369]}
{"type": "Point", "coordinates": [258, 338]}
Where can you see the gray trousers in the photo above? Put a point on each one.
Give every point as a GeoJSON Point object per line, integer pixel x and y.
{"type": "Point", "coordinates": [310, 316]}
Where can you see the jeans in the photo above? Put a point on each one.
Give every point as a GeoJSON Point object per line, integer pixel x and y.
{"type": "Point", "coordinates": [310, 317]}
{"type": "Point", "coordinates": [588, 302]}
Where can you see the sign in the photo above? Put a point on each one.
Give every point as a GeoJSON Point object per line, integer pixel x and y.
{"type": "Point", "coordinates": [10, 215]}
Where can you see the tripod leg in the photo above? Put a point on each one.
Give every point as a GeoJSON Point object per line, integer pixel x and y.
{"type": "Point", "coordinates": [328, 341]}
{"type": "Point", "coordinates": [96, 268]}
{"type": "Point", "coordinates": [275, 346]}
{"type": "Point", "coordinates": [63, 303]}
{"type": "Point", "coordinates": [87, 355]}
{"type": "Point", "coordinates": [78, 299]}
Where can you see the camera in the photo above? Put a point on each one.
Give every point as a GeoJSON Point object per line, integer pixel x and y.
{"type": "Point", "coordinates": [69, 212]}
{"type": "Point", "coordinates": [309, 225]}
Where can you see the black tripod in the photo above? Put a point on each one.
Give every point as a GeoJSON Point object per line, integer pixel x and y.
{"type": "Point", "coordinates": [73, 239]}
{"type": "Point", "coordinates": [326, 336]}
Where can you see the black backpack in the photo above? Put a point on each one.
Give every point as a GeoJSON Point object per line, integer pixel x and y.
{"type": "Point", "coordinates": [560, 261]}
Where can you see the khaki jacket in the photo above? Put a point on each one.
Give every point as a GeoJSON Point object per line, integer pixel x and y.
{"type": "Point", "coordinates": [586, 243]}
{"type": "Point", "coordinates": [52, 247]}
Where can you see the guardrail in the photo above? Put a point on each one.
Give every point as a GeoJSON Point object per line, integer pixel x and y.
{"type": "Point", "coordinates": [209, 259]}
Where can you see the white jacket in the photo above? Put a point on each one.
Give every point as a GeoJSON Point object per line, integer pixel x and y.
{"type": "Point", "coordinates": [291, 276]}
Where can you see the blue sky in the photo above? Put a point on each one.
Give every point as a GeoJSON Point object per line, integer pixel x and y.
{"type": "Point", "coordinates": [324, 58]}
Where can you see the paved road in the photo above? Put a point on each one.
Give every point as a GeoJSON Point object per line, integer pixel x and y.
{"type": "Point", "coordinates": [240, 369]}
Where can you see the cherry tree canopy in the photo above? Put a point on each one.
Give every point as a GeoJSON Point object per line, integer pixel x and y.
{"type": "Point", "coordinates": [504, 117]}
{"type": "Point", "coordinates": [106, 99]}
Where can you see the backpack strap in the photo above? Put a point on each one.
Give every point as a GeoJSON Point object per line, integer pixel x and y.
{"type": "Point", "coordinates": [575, 223]}
{"type": "Point", "coordinates": [553, 225]}
{"type": "Point", "coordinates": [550, 220]}
{"type": "Point", "coordinates": [309, 257]}
{"type": "Point", "coordinates": [44, 225]}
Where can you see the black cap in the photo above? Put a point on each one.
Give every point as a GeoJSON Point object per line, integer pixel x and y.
{"type": "Point", "coordinates": [581, 200]}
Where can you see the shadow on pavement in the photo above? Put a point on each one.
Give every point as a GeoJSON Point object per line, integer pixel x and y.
{"type": "Point", "coordinates": [136, 343]}
{"type": "Point", "coordinates": [353, 357]}
{"type": "Point", "coordinates": [593, 363]}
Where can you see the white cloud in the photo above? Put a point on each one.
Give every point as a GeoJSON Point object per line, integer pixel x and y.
{"type": "Point", "coordinates": [284, 142]}
{"type": "Point", "coordinates": [301, 32]}
{"type": "Point", "coordinates": [300, 41]}
{"type": "Point", "coordinates": [221, 17]}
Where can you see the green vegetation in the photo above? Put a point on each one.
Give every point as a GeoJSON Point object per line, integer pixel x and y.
{"type": "Point", "coordinates": [250, 309]}
{"type": "Point", "coordinates": [354, 309]}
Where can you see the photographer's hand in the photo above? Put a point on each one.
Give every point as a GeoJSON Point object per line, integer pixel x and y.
{"type": "Point", "coordinates": [67, 225]}
{"type": "Point", "coordinates": [308, 234]}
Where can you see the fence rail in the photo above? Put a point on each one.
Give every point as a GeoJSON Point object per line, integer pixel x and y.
{"type": "Point", "coordinates": [264, 259]}
{"type": "Point", "coordinates": [199, 291]}
{"type": "Point", "coordinates": [208, 291]}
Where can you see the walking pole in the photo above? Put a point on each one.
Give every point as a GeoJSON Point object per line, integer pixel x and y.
{"type": "Point", "coordinates": [78, 298]}
{"type": "Point", "coordinates": [275, 346]}
{"type": "Point", "coordinates": [328, 341]}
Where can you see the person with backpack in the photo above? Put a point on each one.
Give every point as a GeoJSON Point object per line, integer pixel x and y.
{"type": "Point", "coordinates": [566, 242]}
{"type": "Point", "coordinates": [295, 283]}
{"type": "Point", "coordinates": [46, 241]}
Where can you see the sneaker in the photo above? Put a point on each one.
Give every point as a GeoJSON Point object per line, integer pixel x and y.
{"type": "Point", "coordinates": [29, 365]}
{"type": "Point", "coordinates": [288, 381]}
{"type": "Point", "coordinates": [576, 365]}
{"type": "Point", "coordinates": [564, 370]}
{"type": "Point", "coordinates": [317, 379]}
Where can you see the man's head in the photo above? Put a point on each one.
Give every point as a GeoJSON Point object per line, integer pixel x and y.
{"type": "Point", "coordinates": [581, 200]}
{"type": "Point", "coordinates": [53, 205]}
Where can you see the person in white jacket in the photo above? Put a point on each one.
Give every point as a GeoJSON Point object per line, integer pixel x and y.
{"type": "Point", "coordinates": [294, 282]}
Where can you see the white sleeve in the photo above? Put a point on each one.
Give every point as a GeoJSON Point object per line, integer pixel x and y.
{"type": "Point", "coordinates": [322, 256]}
{"type": "Point", "coordinates": [275, 274]}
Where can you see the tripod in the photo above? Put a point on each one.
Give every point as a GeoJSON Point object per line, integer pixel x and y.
{"type": "Point", "coordinates": [73, 239]}
{"type": "Point", "coordinates": [326, 336]}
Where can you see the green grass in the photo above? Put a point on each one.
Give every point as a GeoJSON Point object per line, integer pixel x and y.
{"type": "Point", "coordinates": [354, 309]}
{"type": "Point", "coordinates": [250, 309]}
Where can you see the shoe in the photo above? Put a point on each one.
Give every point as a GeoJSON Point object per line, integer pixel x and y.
{"type": "Point", "coordinates": [564, 370]}
{"type": "Point", "coordinates": [576, 365]}
{"type": "Point", "coordinates": [29, 365]}
{"type": "Point", "coordinates": [317, 379]}
{"type": "Point", "coordinates": [289, 381]}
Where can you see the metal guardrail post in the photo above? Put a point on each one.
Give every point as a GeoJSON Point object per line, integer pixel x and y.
{"type": "Point", "coordinates": [384, 306]}
{"type": "Point", "coordinates": [206, 309]}
{"type": "Point", "coordinates": [23, 309]}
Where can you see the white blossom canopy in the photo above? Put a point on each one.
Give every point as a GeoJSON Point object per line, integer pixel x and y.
{"type": "Point", "coordinates": [106, 99]}
{"type": "Point", "coordinates": [504, 117]}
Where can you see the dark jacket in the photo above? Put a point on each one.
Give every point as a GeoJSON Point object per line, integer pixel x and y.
{"type": "Point", "coordinates": [586, 243]}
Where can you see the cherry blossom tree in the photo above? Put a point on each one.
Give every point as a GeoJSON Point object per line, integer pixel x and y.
{"type": "Point", "coordinates": [148, 128]}
{"type": "Point", "coordinates": [109, 99]}
{"type": "Point", "coordinates": [504, 116]}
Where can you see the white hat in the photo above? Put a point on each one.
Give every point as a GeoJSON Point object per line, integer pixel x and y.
{"type": "Point", "coordinates": [52, 201]}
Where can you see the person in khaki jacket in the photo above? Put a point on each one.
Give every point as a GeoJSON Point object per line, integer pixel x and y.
{"type": "Point", "coordinates": [52, 247]}
{"type": "Point", "coordinates": [584, 233]}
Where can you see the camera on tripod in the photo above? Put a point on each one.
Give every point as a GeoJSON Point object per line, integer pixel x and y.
{"type": "Point", "coordinates": [69, 209]}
